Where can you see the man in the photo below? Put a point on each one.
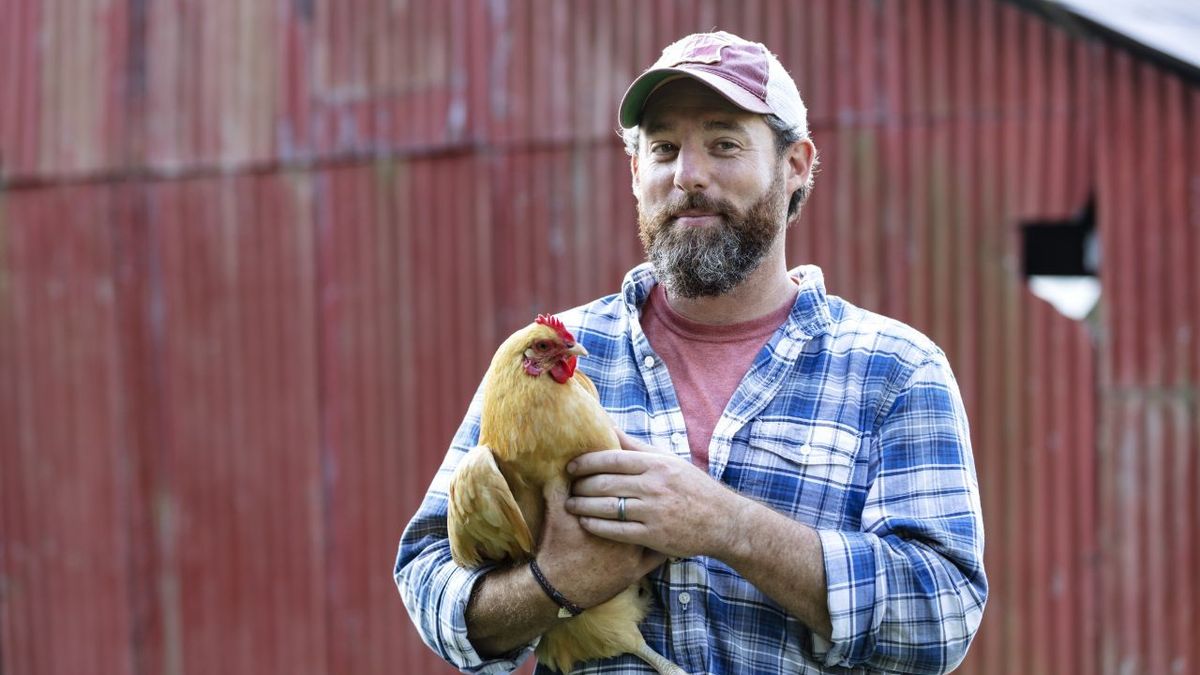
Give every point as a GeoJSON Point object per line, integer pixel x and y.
{"type": "Point", "coordinates": [804, 496]}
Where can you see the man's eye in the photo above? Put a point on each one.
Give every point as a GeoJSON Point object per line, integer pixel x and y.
{"type": "Point", "coordinates": [662, 149]}
{"type": "Point", "coordinates": [727, 145]}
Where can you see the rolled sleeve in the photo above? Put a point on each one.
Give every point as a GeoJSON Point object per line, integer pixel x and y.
{"type": "Point", "coordinates": [435, 589]}
{"type": "Point", "coordinates": [855, 585]}
{"type": "Point", "coordinates": [436, 594]}
{"type": "Point", "coordinates": [907, 592]}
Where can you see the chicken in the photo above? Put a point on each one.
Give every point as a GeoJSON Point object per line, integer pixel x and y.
{"type": "Point", "coordinates": [538, 414]}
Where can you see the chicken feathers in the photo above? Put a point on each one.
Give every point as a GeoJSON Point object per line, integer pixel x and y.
{"type": "Point", "coordinates": [539, 414]}
{"type": "Point", "coordinates": [485, 522]}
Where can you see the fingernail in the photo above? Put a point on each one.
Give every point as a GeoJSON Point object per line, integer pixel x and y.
{"type": "Point", "coordinates": [571, 467]}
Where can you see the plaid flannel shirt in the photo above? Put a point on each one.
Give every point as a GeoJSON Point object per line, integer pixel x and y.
{"type": "Point", "coordinates": [848, 422]}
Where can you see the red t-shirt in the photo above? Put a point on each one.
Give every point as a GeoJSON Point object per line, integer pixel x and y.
{"type": "Point", "coordinates": [706, 363]}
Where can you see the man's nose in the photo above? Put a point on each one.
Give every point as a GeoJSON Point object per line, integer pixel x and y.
{"type": "Point", "coordinates": [691, 169]}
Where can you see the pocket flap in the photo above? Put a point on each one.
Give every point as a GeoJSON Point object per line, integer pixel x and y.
{"type": "Point", "coordinates": [806, 442]}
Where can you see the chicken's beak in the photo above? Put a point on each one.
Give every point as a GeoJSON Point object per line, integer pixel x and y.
{"type": "Point", "coordinates": [577, 349]}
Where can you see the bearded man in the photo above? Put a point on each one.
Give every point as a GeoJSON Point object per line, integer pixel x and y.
{"type": "Point", "coordinates": [804, 496]}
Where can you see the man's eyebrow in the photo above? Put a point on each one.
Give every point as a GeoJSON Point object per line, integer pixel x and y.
{"type": "Point", "coordinates": [657, 126]}
{"type": "Point", "coordinates": [723, 125]}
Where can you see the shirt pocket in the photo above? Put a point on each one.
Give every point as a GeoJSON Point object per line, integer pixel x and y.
{"type": "Point", "coordinates": [802, 468]}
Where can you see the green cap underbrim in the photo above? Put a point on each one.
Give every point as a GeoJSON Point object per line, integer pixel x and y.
{"type": "Point", "coordinates": [635, 97]}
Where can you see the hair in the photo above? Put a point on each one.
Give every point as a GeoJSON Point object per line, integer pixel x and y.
{"type": "Point", "coordinates": [785, 137]}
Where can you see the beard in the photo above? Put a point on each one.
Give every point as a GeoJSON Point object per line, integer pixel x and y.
{"type": "Point", "coordinates": [697, 262]}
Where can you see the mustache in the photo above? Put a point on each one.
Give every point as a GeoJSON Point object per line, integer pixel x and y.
{"type": "Point", "coordinates": [695, 201]}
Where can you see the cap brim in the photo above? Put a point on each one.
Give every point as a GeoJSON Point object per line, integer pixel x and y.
{"type": "Point", "coordinates": [635, 97]}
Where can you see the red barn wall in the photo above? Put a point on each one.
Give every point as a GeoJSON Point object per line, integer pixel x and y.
{"type": "Point", "coordinates": [254, 258]}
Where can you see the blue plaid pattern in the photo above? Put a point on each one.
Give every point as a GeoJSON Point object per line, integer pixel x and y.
{"type": "Point", "coordinates": [847, 421]}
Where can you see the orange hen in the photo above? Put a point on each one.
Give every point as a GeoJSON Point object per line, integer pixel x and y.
{"type": "Point", "coordinates": [539, 414]}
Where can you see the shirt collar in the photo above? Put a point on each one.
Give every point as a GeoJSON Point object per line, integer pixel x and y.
{"type": "Point", "coordinates": [810, 316]}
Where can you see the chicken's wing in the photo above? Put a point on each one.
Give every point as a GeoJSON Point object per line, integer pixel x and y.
{"type": "Point", "coordinates": [485, 523]}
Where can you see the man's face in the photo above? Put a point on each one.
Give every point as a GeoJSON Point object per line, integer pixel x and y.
{"type": "Point", "coordinates": [711, 189]}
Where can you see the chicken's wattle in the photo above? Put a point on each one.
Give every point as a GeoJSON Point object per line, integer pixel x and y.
{"type": "Point", "coordinates": [564, 369]}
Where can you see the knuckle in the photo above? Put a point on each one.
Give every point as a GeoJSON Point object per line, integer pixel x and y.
{"type": "Point", "coordinates": [595, 506]}
{"type": "Point", "coordinates": [659, 486]}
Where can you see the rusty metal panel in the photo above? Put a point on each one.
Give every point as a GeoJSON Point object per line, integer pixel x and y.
{"type": "Point", "coordinates": [65, 88]}
{"type": "Point", "coordinates": [1149, 220]}
{"type": "Point", "coordinates": [20, 121]}
{"type": "Point", "coordinates": [236, 501]}
{"type": "Point", "coordinates": [338, 190]}
{"type": "Point", "coordinates": [64, 556]}
{"type": "Point", "coordinates": [224, 53]}
{"type": "Point", "coordinates": [140, 432]}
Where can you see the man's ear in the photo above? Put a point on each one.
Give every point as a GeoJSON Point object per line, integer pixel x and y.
{"type": "Point", "coordinates": [633, 172]}
{"type": "Point", "coordinates": [800, 159]}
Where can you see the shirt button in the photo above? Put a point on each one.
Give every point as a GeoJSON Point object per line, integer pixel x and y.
{"type": "Point", "coordinates": [805, 449]}
{"type": "Point", "coordinates": [685, 598]}
{"type": "Point", "coordinates": [648, 362]}
{"type": "Point", "coordinates": [677, 438]}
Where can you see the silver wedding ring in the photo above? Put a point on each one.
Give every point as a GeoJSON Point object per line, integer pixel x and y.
{"type": "Point", "coordinates": [621, 509]}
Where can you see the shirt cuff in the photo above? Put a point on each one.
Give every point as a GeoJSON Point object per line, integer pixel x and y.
{"type": "Point", "coordinates": [453, 608]}
{"type": "Point", "coordinates": [857, 585]}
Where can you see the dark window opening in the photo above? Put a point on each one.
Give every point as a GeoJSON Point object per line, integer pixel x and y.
{"type": "Point", "coordinates": [1062, 248]}
{"type": "Point", "coordinates": [1061, 261]}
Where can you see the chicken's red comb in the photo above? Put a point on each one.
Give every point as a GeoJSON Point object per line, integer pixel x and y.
{"type": "Point", "coordinates": [557, 324]}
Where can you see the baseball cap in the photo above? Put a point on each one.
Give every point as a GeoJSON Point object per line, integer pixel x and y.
{"type": "Point", "coordinates": [744, 72]}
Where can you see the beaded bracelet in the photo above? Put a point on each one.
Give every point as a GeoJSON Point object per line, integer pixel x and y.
{"type": "Point", "coordinates": [566, 608]}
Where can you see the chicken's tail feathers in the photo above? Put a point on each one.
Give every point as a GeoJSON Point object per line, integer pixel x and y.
{"type": "Point", "coordinates": [657, 661]}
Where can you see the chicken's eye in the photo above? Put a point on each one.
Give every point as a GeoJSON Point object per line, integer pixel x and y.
{"type": "Point", "coordinates": [542, 346]}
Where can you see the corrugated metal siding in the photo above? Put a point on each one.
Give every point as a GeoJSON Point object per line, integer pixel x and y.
{"type": "Point", "coordinates": [63, 481]}
{"type": "Point", "coordinates": [230, 486]}
{"type": "Point", "coordinates": [254, 258]}
{"type": "Point", "coordinates": [1150, 441]}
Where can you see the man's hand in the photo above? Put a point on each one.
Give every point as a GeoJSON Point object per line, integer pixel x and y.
{"type": "Point", "coordinates": [509, 608]}
{"type": "Point", "coordinates": [670, 505]}
{"type": "Point", "coordinates": [673, 507]}
{"type": "Point", "coordinates": [583, 567]}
